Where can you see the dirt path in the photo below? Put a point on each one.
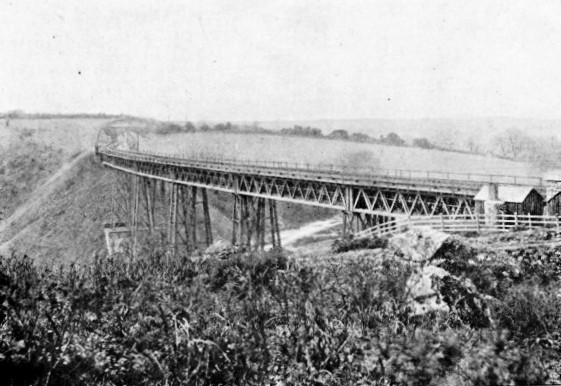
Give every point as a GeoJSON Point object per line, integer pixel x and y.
{"type": "Point", "coordinates": [291, 236]}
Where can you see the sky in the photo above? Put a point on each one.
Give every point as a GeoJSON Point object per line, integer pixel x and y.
{"type": "Point", "coordinates": [248, 60]}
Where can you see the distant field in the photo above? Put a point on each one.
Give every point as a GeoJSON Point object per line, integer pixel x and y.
{"type": "Point", "coordinates": [80, 134]}
{"type": "Point", "coordinates": [71, 134]}
{"type": "Point", "coordinates": [318, 151]}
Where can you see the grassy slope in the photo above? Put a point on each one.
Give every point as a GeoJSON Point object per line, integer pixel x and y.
{"type": "Point", "coordinates": [31, 150]}
{"type": "Point", "coordinates": [39, 167]}
{"type": "Point", "coordinates": [63, 219]}
{"type": "Point", "coordinates": [317, 151]}
{"type": "Point", "coordinates": [72, 135]}
{"type": "Point", "coordinates": [24, 166]}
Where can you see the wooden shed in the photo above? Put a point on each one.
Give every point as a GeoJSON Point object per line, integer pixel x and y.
{"type": "Point", "coordinates": [554, 204]}
{"type": "Point", "coordinates": [512, 198]}
{"type": "Point", "coordinates": [553, 191]}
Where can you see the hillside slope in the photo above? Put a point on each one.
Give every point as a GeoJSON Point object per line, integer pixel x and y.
{"type": "Point", "coordinates": [71, 134]}
{"type": "Point", "coordinates": [62, 220]}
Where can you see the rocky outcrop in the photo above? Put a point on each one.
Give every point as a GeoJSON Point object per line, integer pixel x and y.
{"type": "Point", "coordinates": [432, 289]}
{"type": "Point", "coordinates": [423, 291]}
{"type": "Point", "coordinates": [438, 285]}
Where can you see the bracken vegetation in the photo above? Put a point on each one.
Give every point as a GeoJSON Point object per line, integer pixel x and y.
{"type": "Point", "coordinates": [262, 319]}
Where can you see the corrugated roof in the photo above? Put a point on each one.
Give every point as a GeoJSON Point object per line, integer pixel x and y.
{"type": "Point", "coordinates": [506, 193]}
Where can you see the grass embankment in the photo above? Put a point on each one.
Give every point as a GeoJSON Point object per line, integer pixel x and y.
{"type": "Point", "coordinates": [32, 150]}
{"type": "Point", "coordinates": [24, 165]}
{"type": "Point", "coordinates": [265, 320]}
{"type": "Point", "coordinates": [63, 218]}
{"type": "Point", "coordinates": [325, 151]}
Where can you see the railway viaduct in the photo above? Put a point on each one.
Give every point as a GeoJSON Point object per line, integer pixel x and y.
{"type": "Point", "coordinates": [166, 192]}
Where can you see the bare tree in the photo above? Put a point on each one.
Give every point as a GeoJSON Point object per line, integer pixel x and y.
{"type": "Point", "coordinates": [446, 139]}
{"type": "Point", "coordinates": [473, 144]}
{"type": "Point", "coordinates": [511, 143]}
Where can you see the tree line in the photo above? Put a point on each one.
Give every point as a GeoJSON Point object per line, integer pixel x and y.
{"type": "Point", "coordinates": [391, 139]}
{"type": "Point", "coordinates": [20, 114]}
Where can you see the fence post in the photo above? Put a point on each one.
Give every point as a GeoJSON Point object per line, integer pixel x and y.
{"type": "Point", "coordinates": [529, 220]}
{"type": "Point", "coordinates": [442, 222]}
{"type": "Point", "coordinates": [516, 219]}
{"type": "Point", "coordinates": [557, 223]}
{"type": "Point", "coordinates": [477, 222]}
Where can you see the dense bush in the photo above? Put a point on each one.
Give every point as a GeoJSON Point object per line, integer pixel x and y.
{"type": "Point", "coordinates": [259, 319]}
{"type": "Point", "coordinates": [171, 128]}
{"type": "Point", "coordinates": [302, 131]}
{"type": "Point", "coordinates": [423, 143]}
{"type": "Point", "coordinates": [350, 244]}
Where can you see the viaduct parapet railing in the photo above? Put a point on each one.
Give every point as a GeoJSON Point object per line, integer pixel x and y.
{"type": "Point", "coordinates": [445, 181]}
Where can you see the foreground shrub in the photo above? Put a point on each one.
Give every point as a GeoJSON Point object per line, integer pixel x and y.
{"type": "Point", "coordinates": [256, 319]}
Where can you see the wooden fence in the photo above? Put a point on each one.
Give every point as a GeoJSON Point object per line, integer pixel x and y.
{"type": "Point", "coordinates": [397, 225]}
{"type": "Point", "coordinates": [464, 223]}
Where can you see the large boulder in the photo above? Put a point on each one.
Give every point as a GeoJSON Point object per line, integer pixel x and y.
{"type": "Point", "coordinates": [424, 245]}
{"type": "Point", "coordinates": [418, 244]}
